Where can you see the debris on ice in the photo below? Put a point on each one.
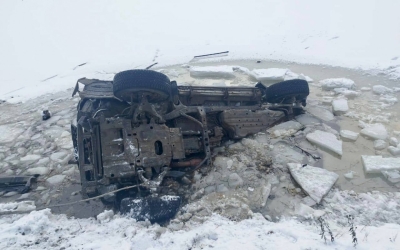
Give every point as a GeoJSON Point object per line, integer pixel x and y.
{"type": "Point", "coordinates": [332, 83]}
{"type": "Point", "coordinates": [326, 141]}
{"type": "Point", "coordinates": [223, 71]}
{"type": "Point", "coordinates": [376, 163]}
{"type": "Point", "coordinates": [285, 129]}
{"type": "Point", "coordinates": [375, 131]}
{"type": "Point", "coordinates": [269, 75]}
{"type": "Point", "coordinates": [379, 144]}
{"type": "Point", "coordinates": [340, 106]}
{"type": "Point", "coordinates": [349, 135]}
{"type": "Point", "coordinates": [316, 182]}
{"type": "Point", "coordinates": [380, 89]}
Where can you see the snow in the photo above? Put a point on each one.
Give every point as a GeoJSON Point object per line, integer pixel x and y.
{"type": "Point", "coordinates": [316, 182]}
{"type": "Point", "coordinates": [212, 72]}
{"type": "Point", "coordinates": [269, 75]}
{"type": "Point", "coordinates": [17, 207]}
{"type": "Point", "coordinates": [350, 135]}
{"type": "Point", "coordinates": [340, 106]}
{"type": "Point", "coordinates": [376, 164]}
{"type": "Point", "coordinates": [375, 131]}
{"type": "Point", "coordinates": [325, 140]}
{"type": "Point", "coordinates": [332, 83]}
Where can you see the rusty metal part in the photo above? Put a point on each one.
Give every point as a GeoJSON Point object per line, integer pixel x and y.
{"type": "Point", "coordinates": [189, 163]}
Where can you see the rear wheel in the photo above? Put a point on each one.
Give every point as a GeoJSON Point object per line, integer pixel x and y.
{"type": "Point", "coordinates": [287, 92]}
{"type": "Point", "coordinates": [129, 85]}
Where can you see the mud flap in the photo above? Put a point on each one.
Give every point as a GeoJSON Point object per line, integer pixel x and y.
{"type": "Point", "coordinates": [154, 209]}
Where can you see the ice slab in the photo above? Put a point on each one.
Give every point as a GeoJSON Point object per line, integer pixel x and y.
{"type": "Point", "coordinates": [321, 113]}
{"type": "Point", "coordinates": [376, 163]}
{"type": "Point", "coordinates": [340, 106]}
{"type": "Point", "coordinates": [380, 89]}
{"type": "Point", "coordinates": [285, 129]}
{"type": "Point", "coordinates": [316, 182]}
{"type": "Point", "coordinates": [332, 83]}
{"type": "Point", "coordinates": [325, 140]}
{"type": "Point", "coordinates": [271, 74]}
{"type": "Point", "coordinates": [375, 131]}
{"type": "Point", "coordinates": [223, 71]}
{"type": "Point", "coordinates": [306, 119]}
{"type": "Point", "coordinates": [350, 135]}
{"type": "Point", "coordinates": [8, 133]}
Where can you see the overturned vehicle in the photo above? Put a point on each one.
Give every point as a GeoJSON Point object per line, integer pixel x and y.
{"type": "Point", "coordinates": [143, 133]}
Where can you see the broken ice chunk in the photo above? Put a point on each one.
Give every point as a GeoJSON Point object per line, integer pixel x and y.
{"type": "Point", "coordinates": [326, 141]}
{"type": "Point", "coordinates": [395, 151]}
{"type": "Point", "coordinates": [56, 179]}
{"type": "Point", "coordinates": [375, 131]}
{"type": "Point", "coordinates": [349, 175]}
{"type": "Point", "coordinates": [365, 89]}
{"type": "Point", "coordinates": [269, 75]}
{"type": "Point", "coordinates": [392, 176]}
{"type": "Point", "coordinates": [223, 71]}
{"type": "Point", "coordinates": [332, 83]}
{"type": "Point", "coordinates": [379, 144]}
{"type": "Point", "coordinates": [285, 129]}
{"type": "Point", "coordinates": [393, 141]}
{"type": "Point", "coordinates": [376, 164]}
{"type": "Point", "coordinates": [340, 106]}
{"type": "Point", "coordinates": [380, 89]}
{"type": "Point", "coordinates": [350, 135]}
{"type": "Point", "coordinates": [316, 182]}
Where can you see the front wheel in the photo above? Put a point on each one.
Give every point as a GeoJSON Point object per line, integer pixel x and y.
{"type": "Point", "coordinates": [287, 92]}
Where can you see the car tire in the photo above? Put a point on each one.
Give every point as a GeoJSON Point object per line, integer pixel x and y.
{"type": "Point", "coordinates": [283, 92]}
{"type": "Point", "coordinates": [128, 84]}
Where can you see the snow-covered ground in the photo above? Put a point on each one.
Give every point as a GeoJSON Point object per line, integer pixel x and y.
{"type": "Point", "coordinates": [244, 201]}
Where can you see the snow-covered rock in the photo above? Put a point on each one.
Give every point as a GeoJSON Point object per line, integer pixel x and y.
{"type": "Point", "coordinates": [395, 151]}
{"type": "Point", "coordinates": [379, 144]}
{"type": "Point", "coordinates": [285, 129]}
{"type": "Point", "coordinates": [380, 89]}
{"type": "Point", "coordinates": [56, 179]}
{"type": "Point", "coordinates": [393, 176]}
{"type": "Point", "coordinates": [268, 75]}
{"type": "Point", "coordinates": [325, 140]}
{"type": "Point", "coordinates": [375, 131]}
{"type": "Point", "coordinates": [332, 83]}
{"type": "Point", "coordinates": [340, 106]}
{"type": "Point", "coordinates": [223, 71]}
{"type": "Point", "coordinates": [376, 163]}
{"type": "Point", "coordinates": [316, 182]}
{"type": "Point", "coordinates": [349, 135]}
